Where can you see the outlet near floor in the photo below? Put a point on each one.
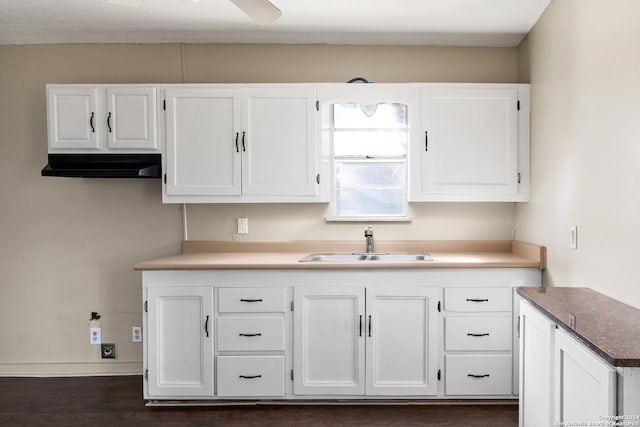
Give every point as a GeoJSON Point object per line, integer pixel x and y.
{"type": "Point", "coordinates": [136, 334]}
{"type": "Point", "coordinates": [108, 351]}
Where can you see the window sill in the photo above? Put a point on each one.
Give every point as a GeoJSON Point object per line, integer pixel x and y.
{"type": "Point", "coordinates": [368, 219]}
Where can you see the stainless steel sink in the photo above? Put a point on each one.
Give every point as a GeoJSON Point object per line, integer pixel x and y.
{"type": "Point", "coordinates": [400, 257]}
{"type": "Point", "coordinates": [363, 257]}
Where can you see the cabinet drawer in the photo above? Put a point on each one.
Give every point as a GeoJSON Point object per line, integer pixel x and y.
{"type": "Point", "coordinates": [477, 333]}
{"type": "Point", "coordinates": [250, 333]}
{"type": "Point", "coordinates": [477, 299]}
{"type": "Point", "coordinates": [251, 300]}
{"type": "Point", "coordinates": [478, 375]}
{"type": "Point", "coordinates": [250, 375]}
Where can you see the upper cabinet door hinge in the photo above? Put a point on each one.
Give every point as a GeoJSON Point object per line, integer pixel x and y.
{"type": "Point", "coordinates": [146, 374]}
{"type": "Point", "coordinates": [292, 375]}
{"type": "Point", "coordinates": [317, 105]}
{"type": "Point", "coordinates": [439, 306]}
{"type": "Point", "coordinates": [164, 104]}
{"type": "Point", "coordinates": [518, 177]}
{"type": "Point", "coordinates": [291, 305]}
{"type": "Point", "coordinates": [146, 306]}
{"type": "Point", "coordinates": [518, 105]}
{"type": "Point", "coordinates": [439, 374]}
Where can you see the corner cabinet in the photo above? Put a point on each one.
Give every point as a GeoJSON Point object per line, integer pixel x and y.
{"type": "Point", "coordinates": [102, 118]}
{"type": "Point", "coordinates": [562, 381]}
{"type": "Point", "coordinates": [241, 144]}
{"type": "Point", "coordinates": [470, 142]}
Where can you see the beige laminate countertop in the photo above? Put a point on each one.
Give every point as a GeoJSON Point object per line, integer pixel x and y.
{"type": "Point", "coordinates": [218, 255]}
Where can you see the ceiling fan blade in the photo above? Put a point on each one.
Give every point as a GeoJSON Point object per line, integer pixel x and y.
{"type": "Point", "coordinates": [263, 12]}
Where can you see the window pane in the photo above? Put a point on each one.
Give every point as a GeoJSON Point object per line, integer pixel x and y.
{"type": "Point", "coordinates": [369, 174]}
{"type": "Point", "coordinates": [357, 116]}
{"type": "Point", "coordinates": [370, 202]}
{"type": "Point", "coordinates": [370, 143]}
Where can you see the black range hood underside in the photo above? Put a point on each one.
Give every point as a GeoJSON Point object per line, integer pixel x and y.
{"type": "Point", "coordinates": [104, 165]}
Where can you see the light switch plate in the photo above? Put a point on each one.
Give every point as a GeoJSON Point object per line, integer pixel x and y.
{"type": "Point", "coordinates": [573, 237]}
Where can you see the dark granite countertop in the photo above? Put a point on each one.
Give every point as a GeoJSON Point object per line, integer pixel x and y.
{"type": "Point", "coordinates": [608, 327]}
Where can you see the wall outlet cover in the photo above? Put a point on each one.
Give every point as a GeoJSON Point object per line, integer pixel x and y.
{"type": "Point", "coordinates": [108, 351]}
{"type": "Point", "coordinates": [95, 336]}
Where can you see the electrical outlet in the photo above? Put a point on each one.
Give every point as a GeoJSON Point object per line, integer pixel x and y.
{"type": "Point", "coordinates": [243, 225]}
{"type": "Point", "coordinates": [136, 334]}
{"type": "Point", "coordinates": [108, 351]}
{"type": "Point", "coordinates": [573, 237]}
{"type": "Point", "coordinates": [95, 336]}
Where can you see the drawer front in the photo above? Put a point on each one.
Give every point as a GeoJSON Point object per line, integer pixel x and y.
{"type": "Point", "coordinates": [250, 376]}
{"type": "Point", "coordinates": [477, 299]}
{"type": "Point", "coordinates": [477, 375]}
{"type": "Point", "coordinates": [251, 300]}
{"type": "Point", "coordinates": [250, 333]}
{"type": "Point", "coordinates": [477, 333]}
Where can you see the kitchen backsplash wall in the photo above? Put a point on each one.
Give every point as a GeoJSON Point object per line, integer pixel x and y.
{"type": "Point", "coordinates": [68, 245]}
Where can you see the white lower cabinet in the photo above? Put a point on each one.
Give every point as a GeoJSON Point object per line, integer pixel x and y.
{"type": "Point", "coordinates": [250, 376]}
{"type": "Point", "coordinates": [584, 385]}
{"type": "Point", "coordinates": [384, 344]}
{"type": "Point", "coordinates": [562, 381]}
{"type": "Point", "coordinates": [179, 337]}
{"type": "Point", "coordinates": [300, 335]}
{"type": "Point", "coordinates": [536, 364]}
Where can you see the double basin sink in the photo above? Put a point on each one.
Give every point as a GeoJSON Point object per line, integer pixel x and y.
{"type": "Point", "coordinates": [368, 257]}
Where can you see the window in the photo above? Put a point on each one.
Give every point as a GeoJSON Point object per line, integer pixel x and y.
{"type": "Point", "coordinates": [369, 159]}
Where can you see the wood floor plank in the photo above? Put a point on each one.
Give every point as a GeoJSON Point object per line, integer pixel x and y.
{"type": "Point", "coordinates": [117, 401]}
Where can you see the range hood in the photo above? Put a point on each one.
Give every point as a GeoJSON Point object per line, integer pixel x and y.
{"type": "Point", "coordinates": [104, 165]}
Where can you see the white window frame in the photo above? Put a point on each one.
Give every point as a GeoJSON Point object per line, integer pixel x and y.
{"type": "Point", "coordinates": [364, 94]}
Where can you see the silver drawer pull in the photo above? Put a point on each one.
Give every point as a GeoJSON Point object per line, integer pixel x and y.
{"type": "Point", "coordinates": [250, 300]}
{"type": "Point", "coordinates": [249, 377]}
{"type": "Point", "coordinates": [251, 335]}
{"type": "Point", "coordinates": [478, 335]}
{"type": "Point", "coordinates": [477, 300]}
{"type": "Point", "coordinates": [478, 376]}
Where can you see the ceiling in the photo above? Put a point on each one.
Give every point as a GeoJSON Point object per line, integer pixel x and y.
{"type": "Point", "coordinates": [499, 23]}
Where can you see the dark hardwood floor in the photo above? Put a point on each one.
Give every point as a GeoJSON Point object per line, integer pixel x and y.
{"type": "Point", "coordinates": [117, 401]}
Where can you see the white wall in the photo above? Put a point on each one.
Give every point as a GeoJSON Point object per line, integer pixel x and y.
{"type": "Point", "coordinates": [68, 245]}
{"type": "Point", "coordinates": [584, 65]}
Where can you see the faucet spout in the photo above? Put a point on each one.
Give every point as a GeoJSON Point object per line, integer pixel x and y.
{"type": "Point", "coordinates": [368, 235]}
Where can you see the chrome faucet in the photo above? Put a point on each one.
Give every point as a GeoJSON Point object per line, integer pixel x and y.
{"type": "Point", "coordinates": [368, 235]}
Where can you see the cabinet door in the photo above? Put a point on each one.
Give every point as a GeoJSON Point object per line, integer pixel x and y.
{"type": "Point", "coordinates": [468, 145]}
{"type": "Point", "coordinates": [202, 142]}
{"type": "Point", "coordinates": [402, 341]}
{"type": "Point", "coordinates": [329, 341]}
{"type": "Point", "coordinates": [73, 118]}
{"type": "Point", "coordinates": [536, 388]}
{"type": "Point", "coordinates": [180, 341]}
{"type": "Point", "coordinates": [131, 118]}
{"type": "Point", "coordinates": [584, 384]}
{"type": "Point", "coordinates": [279, 142]}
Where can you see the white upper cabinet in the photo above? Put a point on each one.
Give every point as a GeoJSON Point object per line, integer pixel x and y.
{"type": "Point", "coordinates": [73, 114]}
{"type": "Point", "coordinates": [257, 144]}
{"type": "Point", "coordinates": [132, 119]}
{"type": "Point", "coordinates": [469, 143]}
{"type": "Point", "coordinates": [102, 118]}
{"type": "Point", "coordinates": [202, 142]}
